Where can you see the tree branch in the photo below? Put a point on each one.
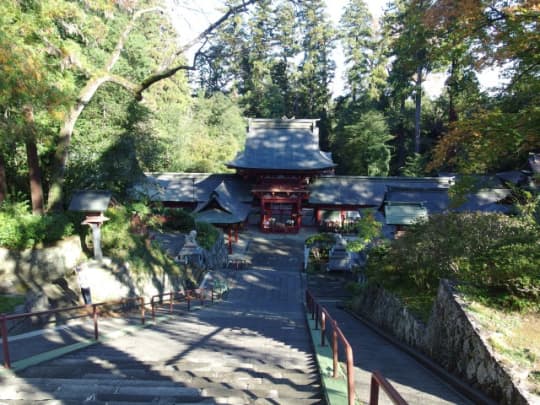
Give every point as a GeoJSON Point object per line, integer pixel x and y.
{"type": "Point", "coordinates": [156, 77]}
{"type": "Point", "coordinates": [203, 36]}
{"type": "Point", "coordinates": [213, 26]}
{"type": "Point", "coordinates": [125, 34]}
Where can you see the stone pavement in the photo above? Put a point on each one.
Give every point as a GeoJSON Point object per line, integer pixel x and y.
{"type": "Point", "coordinates": [283, 253]}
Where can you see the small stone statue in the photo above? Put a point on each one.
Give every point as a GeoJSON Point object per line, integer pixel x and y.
{"type": "Point", "coordinates": [191, 238]}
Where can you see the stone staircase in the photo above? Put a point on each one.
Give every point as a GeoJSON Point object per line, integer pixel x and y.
{"type": "Point", "coordinates": [251, 348]}
{"type": "Point", "coordinates": [221, 354]}
{"type": "Point", "coordinates": [179, 361]}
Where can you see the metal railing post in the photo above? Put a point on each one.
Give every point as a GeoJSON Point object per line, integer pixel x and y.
{"type": "Point", "coordinates": [94, 317]}
{"type": "Point", "coordinates": [153, 305]}
{"type": "Point", "coordinates": [142, 310]}
{"type": "Point", "coordinates": [378, 381]}
{"type": "Point", "coordinates": [350, 374]}
{"type": "Point", "coordinates": [374, 391]}
{"type": "Point", "coordinates": [323, 327]}
{"type": "Point", "coordinates": [212, 294]}
{"type": "Point", "coordinates": [171, 300]}
{"type": "Point", "coordinates": [5, 347]}
{"type": "Point", "coordinates": [335, 349]}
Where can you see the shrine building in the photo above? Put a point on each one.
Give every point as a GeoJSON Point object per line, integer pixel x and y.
{"type": "Point", "coordinates": [280, 159]}
{"type": "Point", "coordinates": [283, 181]}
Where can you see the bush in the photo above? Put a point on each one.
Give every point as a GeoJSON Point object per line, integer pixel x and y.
{"type": "Point", "coordinates": [492, 251]}
{"type": "Point", "coordinates": [119, 242]}
{"type": "Point", "coordinates": [207, 234]}
{"type": "Point", "coordinates": [178, 220]}
{"type": "Point", "coordinates": [21, 230]}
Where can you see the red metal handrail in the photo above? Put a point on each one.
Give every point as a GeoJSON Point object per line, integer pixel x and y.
{"type": "Point", "coordinates": [4, 318]}
{"type": "Point", "coordinates": [187, 295]}
{"type": "Point", "coordinates": [377, 380]}
{"type": "Point", "coordinates": [322, 317]}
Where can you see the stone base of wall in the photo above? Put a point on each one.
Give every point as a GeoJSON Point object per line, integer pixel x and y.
{"type": "Point", "coordinates": [450, 338]}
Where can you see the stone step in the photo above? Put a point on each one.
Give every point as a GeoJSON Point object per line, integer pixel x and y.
{"type": "Point", "coordinates": [80, 389]}
{"type": "Point", "coordinates": [202, 401]}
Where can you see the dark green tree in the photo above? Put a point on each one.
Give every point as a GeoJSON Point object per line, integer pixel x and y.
{"type": "Point", "coordinates": [357, 36]}
{"type": "Point", "coordinates": [366, 151]}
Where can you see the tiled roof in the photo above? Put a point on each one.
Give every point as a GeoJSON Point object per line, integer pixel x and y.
{"type": "Point", "coordinates": [276, 145]}
{"type": "Point", "coordinates": [222, 207]}
{"type": "Point", "coordinates": [513, 177]}
{"type": "Point", "coordinates": [435, 200]}
{"type": "Point", "coordinates": [486, 201]}
{"type": "Point", "coordinates": [90, 201]}
{"type": "Point", "coordinates": [405, 213]}
{"type": "Point", "coordinates": [189, 187]}
{"type": "Point", "coordinates": [367, 191]}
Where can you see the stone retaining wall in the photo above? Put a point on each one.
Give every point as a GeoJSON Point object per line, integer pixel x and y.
{"type": "Point", "coordinates": [31, 269]}
{"type": "Point", "coordinates": [216, 258]}
{"type": "Point", "coordinates": [48, 279]}
{"type": "Point", "coordinates": [451, 338]}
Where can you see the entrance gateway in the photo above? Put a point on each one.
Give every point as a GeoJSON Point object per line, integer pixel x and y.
{"type": "Point", "coordinates": [280, 159]}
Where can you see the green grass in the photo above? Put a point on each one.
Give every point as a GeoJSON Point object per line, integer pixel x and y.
{"type": "Point", "coordinates": [514, 335]}
{"type": "Point", "coordinates": [9, 302]}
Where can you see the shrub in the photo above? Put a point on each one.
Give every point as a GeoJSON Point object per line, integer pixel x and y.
{"type": "Point", "coordinates": [207, 234]}
{"type": "Point", "coordinates": [492, 251]}
{"type": "Point", "coordinates": [178, 220]}
{"type": "Point", "coordinates": [119, 242]}
{"type": "Point", "coordinates": [21, 230]}
{"type": "Point", "coordinates": [320, 245]}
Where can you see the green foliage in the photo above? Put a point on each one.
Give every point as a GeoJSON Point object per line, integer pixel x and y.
{"type": "Point", "coordinates": [8, 303]}
{"type": "Point", "coordinates": [118, 242]}
{"type": "Point", "coordinates": [178, 219]}
{"type": "Point", "coordinates": [365, 145]}
{"type": "Point", "coordinates": [276, 58]}
{"type": "Point", "coordinates": [360, 46]}
{"type": "Point", "coordinates": [207, 234]}
{"type": "Point", "coordinates": [490, 251]}
{"type": "Point", "coordinates": [320, 245]}
{"type": "Point", "coordinates": [21, 230]}
{"type": "Point", "coordinates": [321, 240]}
{"type": "Point", "coordinates": [368, 229]}
{"type": "Point", "coordinates": [414, 166]}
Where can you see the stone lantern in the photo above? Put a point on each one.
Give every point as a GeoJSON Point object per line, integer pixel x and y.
{"type": "Point", "coordinates": [93, 203]}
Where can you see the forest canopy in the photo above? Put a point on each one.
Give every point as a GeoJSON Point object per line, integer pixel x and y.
{"type": "Point", "coordinates": [92, 94]}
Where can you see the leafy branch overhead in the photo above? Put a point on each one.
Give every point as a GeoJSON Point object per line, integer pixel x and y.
{"type": "Point", "coordinates": [85, 44]}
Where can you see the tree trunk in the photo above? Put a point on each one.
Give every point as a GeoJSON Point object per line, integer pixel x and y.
{"type": "Point", "coordinates": [452, 113]}
{"type": "Point", "coordinates": [401, 135]}
{"type": "Point", "coordinates": [418, 109]}
{"type": "Point", "coordinates": [3, 179]}
{"type": "Point", "coordinates": [54, 201]}
{"type": "Point", "coordinates": [34, 170]}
